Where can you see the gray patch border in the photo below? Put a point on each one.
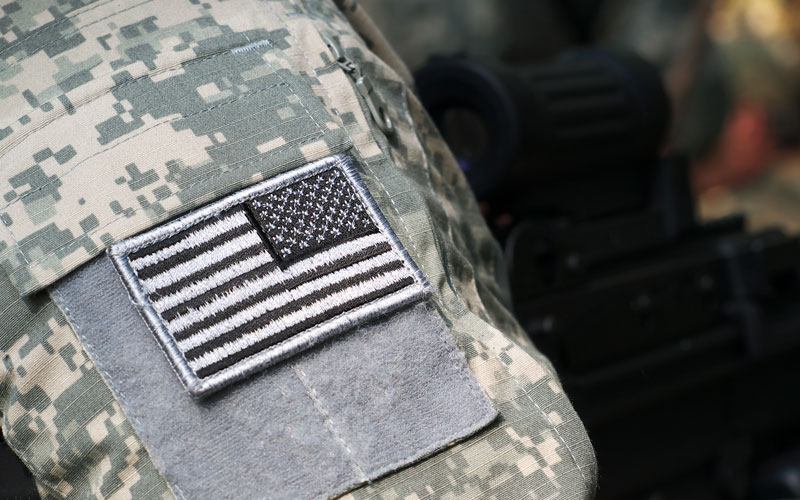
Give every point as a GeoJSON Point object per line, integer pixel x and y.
{"type": "Point", "coordinates": [198, 387]}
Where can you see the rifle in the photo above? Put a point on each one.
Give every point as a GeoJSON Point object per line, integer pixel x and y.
{"type": "Point", "coordinates": [675, 338]}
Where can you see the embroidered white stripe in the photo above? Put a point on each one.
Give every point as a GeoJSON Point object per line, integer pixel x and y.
{"type": "Point", "coordinates": [276, 277]}
{"type": "Point", "coordinates": [309, 264]}
{"type": "Point", "coordinates": [200, 262]}
{"type": "Point", "coordinates": [192, 240]}
{"type": "Point", "coordinates": [278, 300]}
{"type": "Point", "coordinates": [334, 253]}
{"type": "Point", "coordinates": [317, 308]}
{"type": "Point", "coordinates": [223, 301]}
{"type": "Point", "coordinates": [220, 277]}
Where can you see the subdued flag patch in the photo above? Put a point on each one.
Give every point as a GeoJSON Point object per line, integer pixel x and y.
{"type": "Point", "coordinates": [259, 275]}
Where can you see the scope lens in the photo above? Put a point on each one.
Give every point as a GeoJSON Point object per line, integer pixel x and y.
{"type": "Point", "coordinates": [466, 133]}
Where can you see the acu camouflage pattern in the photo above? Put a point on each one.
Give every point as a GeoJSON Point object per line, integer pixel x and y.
{"type": "Point", "coordinates": [57, 413]}
{"type": "Point", "coordinates": [209, 95]}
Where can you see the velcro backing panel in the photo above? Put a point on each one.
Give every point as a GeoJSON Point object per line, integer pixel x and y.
{"type": "Point", "coordinates": [361, 404]}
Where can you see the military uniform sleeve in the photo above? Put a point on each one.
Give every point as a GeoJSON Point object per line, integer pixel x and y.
{"type": "Point", "coordinates": [120, 117]}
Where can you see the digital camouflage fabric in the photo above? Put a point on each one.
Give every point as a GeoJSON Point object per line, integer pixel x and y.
{"type": "Point", "coordinates": [118, 116]}
{"type": "Point", "coordinates": [114, 81]}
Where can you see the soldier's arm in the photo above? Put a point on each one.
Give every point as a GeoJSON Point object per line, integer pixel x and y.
{"type": "Point", "coordinates": [238, 260]}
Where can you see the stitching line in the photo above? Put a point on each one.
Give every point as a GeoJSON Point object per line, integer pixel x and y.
{"type": "Point", "coordinates": [73, 15]}
{"type": "Point", "coordinates": [16, 247]}
{"type": "Point", "coordinates": [279, 75]}
{"type": "Point", "coordinates": [189, 186]}
{"type": "Point", "coordinates": [185, 188]}
{"type": "Point", "coordinates": [137, 134]}
{"type": "Point", "coordinates": [13, 236]}
{"type": "Point", "coordinates": [414, 246]}
{"type": "Point", "coordinates": [311, 139]}
{"type": "Point", "coordinates": [161, 71]}
{"type": "Point", "coordinates": [51, 42]}
{"type": "Point", "coordinates": [547, 417]}
{"type": "Point", "coordinates": [312, 394]}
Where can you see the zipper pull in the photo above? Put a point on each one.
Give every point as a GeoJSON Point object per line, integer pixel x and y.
{"type": "Point", "coordinates": [376, 106]}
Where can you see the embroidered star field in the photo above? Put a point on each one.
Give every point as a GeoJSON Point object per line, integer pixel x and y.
{"type": "Point", "coordinates": [262, 274]}
{"type": "Point", "coordinates": [315, 212]}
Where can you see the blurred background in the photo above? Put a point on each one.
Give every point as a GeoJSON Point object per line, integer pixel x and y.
{"type": "Point", "coordinates": [731, 69]}
{"type": "Point", "coordinates": [649, 211]}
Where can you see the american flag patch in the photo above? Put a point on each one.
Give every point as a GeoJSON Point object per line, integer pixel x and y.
{"type": "Point", "coordinates": [260, 275]}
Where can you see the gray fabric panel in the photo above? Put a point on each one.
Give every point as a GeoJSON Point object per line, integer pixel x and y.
{"type": "Point", "coordinates": [360, 405]}
{"type": "Point", "coordinates": [395, 390]}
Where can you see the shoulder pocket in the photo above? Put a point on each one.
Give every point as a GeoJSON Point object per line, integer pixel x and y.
{"type": "Point", "coordinates": [318, 367]}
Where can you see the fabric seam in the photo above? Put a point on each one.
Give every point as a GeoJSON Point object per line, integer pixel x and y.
{"type": "Point", "coordinates": [312, 395]}
{"type": "Point", "coordinates": [246, 162]}
{"type": "Point", "coordinates": [391, 201]}
{"type": "Point", "coordinates": [76, 30]}
{"type": "Point", "coordinates": [72, 15]}
{"type": "Point", "coordinates": [137, 134]}
{"type": "Point", "coordinates": [178, 65]}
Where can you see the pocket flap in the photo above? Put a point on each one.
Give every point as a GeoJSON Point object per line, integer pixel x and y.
{"type": "Point", "coordinates": [157, 123]}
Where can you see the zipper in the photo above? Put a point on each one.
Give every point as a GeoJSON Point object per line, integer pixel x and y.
{"type": "Point", "coordinates": [376, 105]}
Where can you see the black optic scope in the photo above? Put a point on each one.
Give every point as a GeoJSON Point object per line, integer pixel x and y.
{"type": "Point", "coordinates": [589, 109]}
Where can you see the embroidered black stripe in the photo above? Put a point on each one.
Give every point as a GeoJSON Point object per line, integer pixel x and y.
{"type": "Point", "coordinates": [260, 272]}
{"type": "Point", "coordinates": [205, 271]}
{"type": "Point", "coordinates": [267, 315]}
{"type": "Point", "coordinates": [175, 238]}
{"type": "Point", "coordinates": [170, 262]}
{"type": "Point", "coordinates": [285, 334]}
